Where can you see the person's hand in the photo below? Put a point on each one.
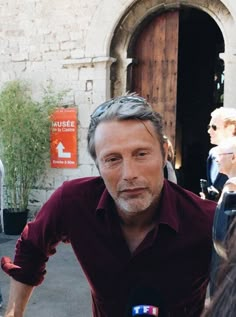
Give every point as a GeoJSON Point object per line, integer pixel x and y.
{"type": "Point", "coordinates": [202, 195]}
{"type": "Point", "coordinates": [213, 193]}
{"type": "Point", "coordinates": [213, 189]}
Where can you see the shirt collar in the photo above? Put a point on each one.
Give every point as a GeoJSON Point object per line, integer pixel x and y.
{"type": "Point", "coordinates": [167, 207]}
{"type": "Point", "coordinates": [105, 202]}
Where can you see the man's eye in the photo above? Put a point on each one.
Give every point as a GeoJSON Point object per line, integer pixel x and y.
{"type": "Point", "coordinates": [142, 153]}
{"type": "Point", "coordinates": [111, 161]}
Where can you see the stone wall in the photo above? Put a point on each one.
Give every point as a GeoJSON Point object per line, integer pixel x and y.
{"type": "Point", "coordinates": [73, 43]}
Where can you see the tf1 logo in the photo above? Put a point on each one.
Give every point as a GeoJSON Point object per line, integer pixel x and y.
{"type": "Point", "coordinates": [145, 309]}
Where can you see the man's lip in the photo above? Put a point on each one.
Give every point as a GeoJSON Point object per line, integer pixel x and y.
{"type": "Point", "coordinates": [132, 190]}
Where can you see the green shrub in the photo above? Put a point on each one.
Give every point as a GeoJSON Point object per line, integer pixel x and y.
{"type": "Point", "coordinates": [24, 140]}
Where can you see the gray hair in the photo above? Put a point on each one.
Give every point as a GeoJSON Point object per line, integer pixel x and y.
{"type": "Point", "coordinates": [227, 115]}
{"type": "Point", "coordinates": [129, 107]}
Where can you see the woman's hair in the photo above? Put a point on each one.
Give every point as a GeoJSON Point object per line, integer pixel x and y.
{"type": "Point", "coordinates": [129, 107]}
{"type": "Point", "coordinates": [223, 303]}
{"type": "Point", "coordinates": [170, 151]}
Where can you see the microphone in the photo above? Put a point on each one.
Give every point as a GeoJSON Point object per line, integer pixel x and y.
{"type": "Point", "coordinates": [210, 192]}
{"type": "Point", "coordinates": [203, 186]}
{"type": "Point", "coordinates": [145, 301]}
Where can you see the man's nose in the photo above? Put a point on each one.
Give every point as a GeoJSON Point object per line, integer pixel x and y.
{"type": "Point", "coordinates": [209, 130]}
{"type": "Point", "coordinates": [129, 169]}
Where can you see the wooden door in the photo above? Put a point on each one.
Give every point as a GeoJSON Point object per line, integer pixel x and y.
{"type": "Point", "coordinates": [154, 72]}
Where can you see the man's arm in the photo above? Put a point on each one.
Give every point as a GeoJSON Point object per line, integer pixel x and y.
{"type": "Point", "coordinates": [18, 298]}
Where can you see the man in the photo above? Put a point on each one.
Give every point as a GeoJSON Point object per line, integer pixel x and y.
{"type": "Point", "coordinates": [223, 302]}
{"type": "Point", "coordinates": [225, 212]}
{"type": "Point", "coordinates": [222, 126]}
{"type": "Point", "coordinates": [129, 228]}
{"type": "Point", "coordinates": [226, 160]}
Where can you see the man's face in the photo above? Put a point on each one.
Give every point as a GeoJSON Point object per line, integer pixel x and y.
{"type": "Point", "coordinates": [224, 158]}
{"type": "Point", "coordinates": [217, 131]}
{"type": "Point", "coordinates": [131, 163]}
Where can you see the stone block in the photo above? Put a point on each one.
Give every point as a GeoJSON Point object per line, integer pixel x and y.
{"type": "Point", "coordinates": [68, 45]}
{"type": "Point", "coordinates": [20, 57]}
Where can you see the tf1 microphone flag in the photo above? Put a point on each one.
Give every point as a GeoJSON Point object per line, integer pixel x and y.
{"type": "Point", "coordinates": [145, 301]}
{"type": "Point", "coordinates": [145, 309]}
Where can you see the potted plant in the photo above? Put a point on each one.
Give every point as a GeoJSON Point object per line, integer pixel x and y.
{"type": "Point", "coordinates": [24, 148]}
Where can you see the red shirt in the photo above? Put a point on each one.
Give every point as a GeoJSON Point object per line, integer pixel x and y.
{"type": "Point", "coordinates": [174, 256]}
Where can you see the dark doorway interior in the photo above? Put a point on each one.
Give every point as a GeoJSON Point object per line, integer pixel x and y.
{"type": "Point", "coordinates": [200, 42]}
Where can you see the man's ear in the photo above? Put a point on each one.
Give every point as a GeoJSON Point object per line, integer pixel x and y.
{"type": "Point", "coordinates": [234, 159]}
{"type": "Point", "coordinates": [165, 153]}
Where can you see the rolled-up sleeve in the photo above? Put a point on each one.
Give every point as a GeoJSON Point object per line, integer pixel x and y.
{"type": "Point", "coordinates": [37, 242]}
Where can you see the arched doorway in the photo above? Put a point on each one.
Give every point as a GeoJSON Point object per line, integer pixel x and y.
{"type": "Point", "coordinates": [176, 66]}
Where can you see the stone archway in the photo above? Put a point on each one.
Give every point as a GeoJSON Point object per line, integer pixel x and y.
{"type": "Point", "coordinates": [134, 17]}
{"type": "Point", "coordinates": [113, 35]}
{"type": "Point", "coordinates": [119, 50]}
{"type": "Point", "coordinates": [110, 37]}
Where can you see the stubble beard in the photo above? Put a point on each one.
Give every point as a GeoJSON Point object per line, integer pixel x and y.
{"type": "Point", "coordinates": [134, 205]}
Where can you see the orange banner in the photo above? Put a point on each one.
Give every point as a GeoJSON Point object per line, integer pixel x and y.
{"type": "Point", "coordinates": [64, 138]}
